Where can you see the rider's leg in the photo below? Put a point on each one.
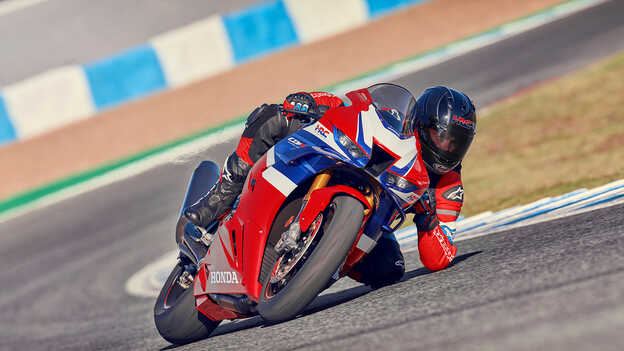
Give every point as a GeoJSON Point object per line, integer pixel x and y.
{"type": "Point", "coordinates": [265, 126]}
{"type": "Point", "coordinates": [222, 195]}
{"type": "Point", "coordinates": [382, 266]}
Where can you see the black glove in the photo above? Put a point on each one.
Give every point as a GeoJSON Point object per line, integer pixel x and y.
{"type": "Point", "coordinates": [425, 217]}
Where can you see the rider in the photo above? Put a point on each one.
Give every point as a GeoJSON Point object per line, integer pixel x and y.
{"type": "Point", "coordinates": [444, 123]}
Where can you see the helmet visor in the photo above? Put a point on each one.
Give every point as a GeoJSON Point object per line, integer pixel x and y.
{"type": "Point", "coordinates": [450, 146]}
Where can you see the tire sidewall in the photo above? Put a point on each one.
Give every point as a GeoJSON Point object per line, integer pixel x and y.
{"type": "Point", "coordinates": [328, 255]}
{"type": "Point", "coordinates": [181, 323]}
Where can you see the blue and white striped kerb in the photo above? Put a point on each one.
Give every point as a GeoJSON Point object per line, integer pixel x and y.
{"type": "Point", "coordinates": [547, 208]}
{"type": "Point", "coordinates": [201, 49]}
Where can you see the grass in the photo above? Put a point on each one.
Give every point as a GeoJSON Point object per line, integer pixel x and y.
{"type": "Point", "coordinates": [561, 136]}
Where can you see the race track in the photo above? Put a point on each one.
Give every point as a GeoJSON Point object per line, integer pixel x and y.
{"type": "Point", "coordinates": [553, 285]}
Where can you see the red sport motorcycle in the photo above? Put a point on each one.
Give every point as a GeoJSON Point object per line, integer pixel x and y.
{"type": "Point", "coordinates": [312, 207]}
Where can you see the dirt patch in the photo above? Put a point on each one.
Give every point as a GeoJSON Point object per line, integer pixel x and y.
{"type": "Point", "coordinates": [174, 114]}
{"type": "Point", "coordinates": [527, 150]}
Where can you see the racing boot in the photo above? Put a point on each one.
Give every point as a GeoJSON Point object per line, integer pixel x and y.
{"type": "Point", "coordinates": [222, 195]}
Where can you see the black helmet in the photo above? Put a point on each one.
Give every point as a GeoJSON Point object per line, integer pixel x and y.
{"type": "Point", "coordinates": [446, 124]}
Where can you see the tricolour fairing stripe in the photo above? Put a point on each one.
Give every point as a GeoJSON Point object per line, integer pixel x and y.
{"type": "Point", "coordinates": [270, 160]}
{"type": "Point", "coordinates": [279, 181]}
{"type": "Point", "coordinates": [372, 127]}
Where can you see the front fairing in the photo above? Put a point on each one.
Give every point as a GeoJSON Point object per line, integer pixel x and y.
{"type": "Point", "coordinates": [316, 147]}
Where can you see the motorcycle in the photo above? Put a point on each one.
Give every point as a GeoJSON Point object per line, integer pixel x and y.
{"type": "Point", "coordinates": [311, 208]}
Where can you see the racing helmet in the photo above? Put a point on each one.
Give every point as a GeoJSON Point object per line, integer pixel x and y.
{"type": "Point", "coordinates": [446, 124]}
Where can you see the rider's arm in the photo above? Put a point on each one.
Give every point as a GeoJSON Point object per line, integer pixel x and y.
{"type": "Point", "coordinates": [435, 215]}
{"type": "Point", "coordinates": [449, 197]}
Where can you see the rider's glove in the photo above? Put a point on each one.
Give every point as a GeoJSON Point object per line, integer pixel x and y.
{"type": "Point", "coordinates": [425, 217]}
{"type": "Point", "coordinates": [302, 103]}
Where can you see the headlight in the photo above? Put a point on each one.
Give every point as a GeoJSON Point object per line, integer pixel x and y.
{"type": "Point", "coordinates": [348, 145]}
{"type": "Point", "coordinates": [400, 183]}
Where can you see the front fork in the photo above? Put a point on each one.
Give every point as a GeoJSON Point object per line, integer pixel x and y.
{"type": "Point", "coordinates": [289, 240]}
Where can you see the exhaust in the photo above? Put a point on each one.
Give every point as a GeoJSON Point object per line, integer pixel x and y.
{"type": "Point", "coordinates": [240, 304]}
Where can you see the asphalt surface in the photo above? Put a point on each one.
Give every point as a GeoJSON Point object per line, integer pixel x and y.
{"type": "Point", "coordinates": [553, 285]}
{"type": "Point", "coordinates": [54, 33]}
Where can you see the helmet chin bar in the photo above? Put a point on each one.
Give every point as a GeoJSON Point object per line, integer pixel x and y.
{"type": "Point", "coordinates": [430, 159]}
{"type": "Point", "coordinates": [440, 169]}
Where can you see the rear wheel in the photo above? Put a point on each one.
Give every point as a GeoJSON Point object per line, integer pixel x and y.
{"type": "Point", "coordinates": [175, 315]}
{"type": "Point", "coordinates": [299, 276]}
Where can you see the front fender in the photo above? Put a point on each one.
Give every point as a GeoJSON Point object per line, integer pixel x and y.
{"type": "Point", "coordinates": [320, 198]}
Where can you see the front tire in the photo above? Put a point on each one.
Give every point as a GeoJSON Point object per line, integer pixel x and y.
{"type": "Point", "coordinates": [327, 256]}
{"type": "Point", "coordinates": [175, 315]}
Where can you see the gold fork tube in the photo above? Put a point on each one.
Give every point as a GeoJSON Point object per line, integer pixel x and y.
{"type": "Point", "coordinates": [320, 181]}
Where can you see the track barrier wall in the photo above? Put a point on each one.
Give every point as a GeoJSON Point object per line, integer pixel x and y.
{"type": "Point", "coordinates": [201, 49]}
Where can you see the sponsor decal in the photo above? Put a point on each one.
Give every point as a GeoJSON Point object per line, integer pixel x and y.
{"type": "Point", "coordinates": [223, 278]}
{"type": "Point", "coordinates": [455, 193]}
{"type": "Point", "coordinates": [439, 234]}
{"type": "Point", "coordinates": [412, 197]}
{"type": "Point", "coordinates": [396, 114]}
{"type": "Point", "coordinates": [320, 130]}
{"type": "Point", "coordinates": [294, 141]}
{"type": "Point", "coordinates": [466, 123]}
{"type": "Point", "coordinates": [318, 94]}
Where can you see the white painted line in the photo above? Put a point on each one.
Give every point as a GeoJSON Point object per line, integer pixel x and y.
{"type": "Point", "coordinates": [148, 281]}
{"type": "Point", "coordinates": [550, 206]}
{"type": "Point", "coordinates": [605, 196]}
{"type": "Point", "coordinates": [7, 7]}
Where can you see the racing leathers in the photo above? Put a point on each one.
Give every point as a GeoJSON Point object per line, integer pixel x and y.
{"type": "Point", "coordinates": [435, 212]}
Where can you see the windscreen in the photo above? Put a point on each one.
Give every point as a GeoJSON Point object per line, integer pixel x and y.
{"type": "Point", "coordinates": [395, 105]}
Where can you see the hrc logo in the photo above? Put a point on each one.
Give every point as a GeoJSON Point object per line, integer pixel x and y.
{"type": "Point", "coordinates": [320, 130]}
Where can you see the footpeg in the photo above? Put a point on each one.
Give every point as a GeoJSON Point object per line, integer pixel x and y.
{"type": "Point", "coordinates": [195, 242]}
{"type": "Point", "coordinates": [198, 234]}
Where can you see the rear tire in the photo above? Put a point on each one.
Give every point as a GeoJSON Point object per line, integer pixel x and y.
{"type": "Point", "coordinates": [175, 315]}
{"type": "Point", "coordinates": [330, 252]}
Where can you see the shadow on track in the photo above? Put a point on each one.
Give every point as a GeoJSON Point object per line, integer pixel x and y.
{"type": "Point", "coordinates": [321, 303]}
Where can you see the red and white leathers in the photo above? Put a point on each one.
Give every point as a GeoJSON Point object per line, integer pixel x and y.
{"type": "Point", "coordinates": [435, 215]}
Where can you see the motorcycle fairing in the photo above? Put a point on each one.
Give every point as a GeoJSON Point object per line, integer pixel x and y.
{"type": "Point", "coordinates": [239, 245]}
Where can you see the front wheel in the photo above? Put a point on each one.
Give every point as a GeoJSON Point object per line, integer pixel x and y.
{"type": "Point", "coordinates": [175, 315]}
{"type": "Point", "coordinates": [283, 296]}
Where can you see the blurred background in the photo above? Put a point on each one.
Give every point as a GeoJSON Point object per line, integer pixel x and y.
{"type": "Point", "coordinates": [107, 107]}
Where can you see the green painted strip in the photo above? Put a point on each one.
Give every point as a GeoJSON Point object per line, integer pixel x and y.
{"type": "Point", "coordinates": [55, 186]}
{"type": "Point", "coordinates": [29, 196]}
